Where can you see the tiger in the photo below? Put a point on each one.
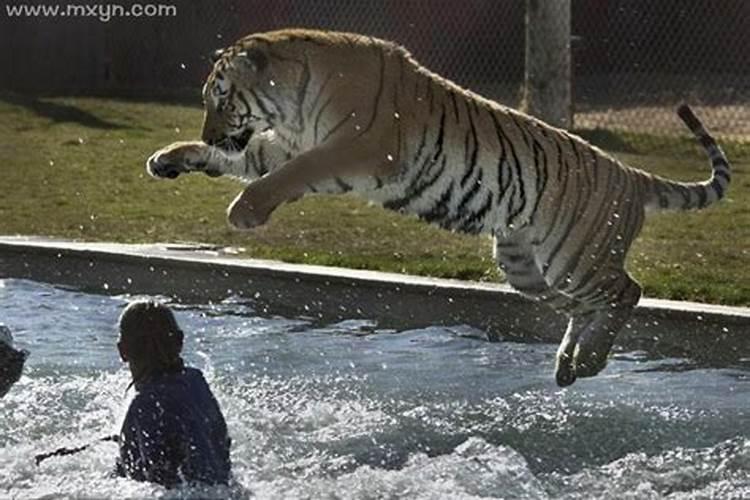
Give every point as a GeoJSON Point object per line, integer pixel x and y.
{"type": "Point", "coordinates": [294, 112]}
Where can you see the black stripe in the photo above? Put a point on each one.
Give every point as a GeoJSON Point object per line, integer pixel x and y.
{"type": "Point", "coordinates": [430, 94]}
{"type": "Point", "coordinates": [702, 197]}
{"type": "Point", "coordinates": [723, 174]}
{"type": "Point", "coordinates": [455, 104]}
{"type": "Point", "coordinates": [591, 232]}
{"type": "Point", "coordinates": [314, 103]}
{"type": "Point", "coordinates": [581, 200]}
{"type": "Point", "coordinates": [470, 159]}
{"type": "Point", "coordinates": [707, 141]}
{"type": "Point", "coordinates": [318, 116]}
{"type": "Point", "coordinates": [720, 163]}
{"type": "Point", "coordinates": [685, 192]}
{"type": "Point", "coordinates": [378, 95]}
{"type": "Point", "coordinates": [260, 104]}
{"type": "Point", "coordinates": [335, 127]}
{"type": "Point", "coordinates": [541, 177]}
{"type": "Point", "coordinates": [440, 137]}
{"type": "Point", "coordinates": [716, 184]}
{"type": "Point", "coordinates": [519, 182]}
{"type": "Point", "coordinates": [342, 185]}
{"type": "Point", "coordinates": [276, 105]}
{"type": "Point", "coordinates": [301, 93]}
{"type": "Point", "coordinates": [243, 100]}
{"type": "Point", "coordinates": [469, 196]}
{"type": "Point", "coordinates": [250, 163]}
{"type": "Point", "coordinates": [521, 129]}
{"type": "Point", "coordinates": [441, 208]}
{"type": "Point", "coordinates": [262, 169]}
{"type": "Point", "coordinates": [501, 171]}
{"type": "Point", "coordinates": [415, 191]}
{"type": "Point", "coordinates": [422, 141]}
{"type": "Point", "coordinates": [470, 226]}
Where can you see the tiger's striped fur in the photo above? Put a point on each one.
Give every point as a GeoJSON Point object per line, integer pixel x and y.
{"type": "Point", "coordinates": [300, 111]}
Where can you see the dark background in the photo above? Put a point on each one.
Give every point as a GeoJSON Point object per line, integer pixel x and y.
{"type": "Point", "coordinates": [625, 52]}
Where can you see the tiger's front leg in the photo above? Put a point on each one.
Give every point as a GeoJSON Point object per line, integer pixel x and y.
{"type": "Point", "coordinates": [355, 158]}
{"type": "Point", "coordinates": [182, 157]}
{"type": "Point", "coordinates": [261, 155]}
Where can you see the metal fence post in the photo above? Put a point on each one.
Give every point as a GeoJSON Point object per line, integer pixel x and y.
{"type": "Point", "coordinates": [547, 80]}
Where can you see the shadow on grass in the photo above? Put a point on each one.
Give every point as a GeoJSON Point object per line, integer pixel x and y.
{"type": "Point", "coordinates": [60, 113]}
{"type": "Point", "coordinates": [659, 145]}
{"type": "Point", "coordinates": [606, 139]}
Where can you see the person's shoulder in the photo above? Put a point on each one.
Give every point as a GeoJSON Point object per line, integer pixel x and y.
{"type": "Point", "coordinates": [195, 376]}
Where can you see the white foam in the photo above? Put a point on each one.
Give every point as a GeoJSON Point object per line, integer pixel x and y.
{"type": "Point", "coordinates": [475, 469]}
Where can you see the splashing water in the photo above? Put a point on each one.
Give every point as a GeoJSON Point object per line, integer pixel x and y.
{"type": "Point", "coordinates": [347, 410]}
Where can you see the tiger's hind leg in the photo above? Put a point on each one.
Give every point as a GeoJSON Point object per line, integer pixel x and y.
{"type": "Point", "coordinates": [593, 326]}
{"type": "Point", "coordinates": [515, 257]}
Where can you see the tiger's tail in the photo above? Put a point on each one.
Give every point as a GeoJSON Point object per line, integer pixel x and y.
{"type": "Point", "coordinates": [663, 194]}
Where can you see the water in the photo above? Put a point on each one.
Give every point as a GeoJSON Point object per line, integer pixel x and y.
{"type": "Point", "coordinates": [351, 411]}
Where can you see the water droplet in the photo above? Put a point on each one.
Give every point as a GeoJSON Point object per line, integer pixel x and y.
{"type": "Point", "coordinates": [389, 157]}
{"type": "Point", "coordinates": [396, 115]}
{"type": "Point", "coordinates": [182, 66]}
{"type": "Point", "coordinates": [272, 83]}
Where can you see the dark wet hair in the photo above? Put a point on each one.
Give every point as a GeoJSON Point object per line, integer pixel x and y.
{"type": "Point", "coordinates": [151, 337]}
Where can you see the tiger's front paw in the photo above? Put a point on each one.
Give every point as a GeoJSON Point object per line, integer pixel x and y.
{"type": "Point", "coordinates": [179, 158]}
{"type": "Point", "coordinates": [245, 213]}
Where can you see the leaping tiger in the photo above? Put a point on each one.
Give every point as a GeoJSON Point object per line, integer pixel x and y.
{"type": "Point", "coordinates": [300, 111]}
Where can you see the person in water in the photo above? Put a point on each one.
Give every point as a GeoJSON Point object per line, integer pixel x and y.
{"type": "Point", "coordinates": [174, 431]}
{"type": "Point", "coordinates": [11, 361]}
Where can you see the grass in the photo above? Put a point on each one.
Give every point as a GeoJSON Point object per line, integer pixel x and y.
{"type": "Point", "coordinates": [73, 168]}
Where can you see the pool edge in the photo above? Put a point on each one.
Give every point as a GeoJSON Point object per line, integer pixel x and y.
{"type": "Point", "coordinates": [703, 332]}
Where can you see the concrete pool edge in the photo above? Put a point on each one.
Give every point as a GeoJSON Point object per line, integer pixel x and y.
{"type": "Point", "coordinates": [702, 332]}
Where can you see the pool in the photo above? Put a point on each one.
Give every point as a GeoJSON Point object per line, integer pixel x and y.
{"type": "Point", "coordinates": [349, 410]}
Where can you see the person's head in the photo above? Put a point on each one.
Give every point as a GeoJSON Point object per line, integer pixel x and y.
{"type": "Point", "coordinates": [11, 361]}
{"type": "Point", "coordinates": [150, 339]}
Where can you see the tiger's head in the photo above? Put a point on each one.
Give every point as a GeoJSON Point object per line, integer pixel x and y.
{"type": "Point", "coordinates": [246, 92]}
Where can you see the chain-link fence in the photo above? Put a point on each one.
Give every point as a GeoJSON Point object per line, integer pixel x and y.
{"type": "Point", "coordinates": [633, 60]}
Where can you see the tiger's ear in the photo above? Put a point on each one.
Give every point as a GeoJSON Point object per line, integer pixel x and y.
{"type": "Point", "coordinates": [215, 55]}
{"type": "Point", "coordinates": [252, 59]}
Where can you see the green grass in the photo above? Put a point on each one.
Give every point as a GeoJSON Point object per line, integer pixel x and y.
{"type": "Point", "coordinates": [74, 168]}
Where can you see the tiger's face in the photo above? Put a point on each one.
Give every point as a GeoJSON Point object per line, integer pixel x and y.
{"type": "Point", "coordinates": [239, 99]}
